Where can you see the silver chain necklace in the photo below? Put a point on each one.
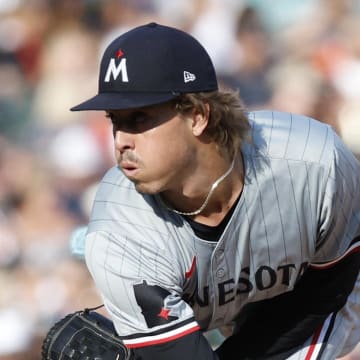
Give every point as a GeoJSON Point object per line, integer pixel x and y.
{"type": "Point", "coordinates": [213, 187]}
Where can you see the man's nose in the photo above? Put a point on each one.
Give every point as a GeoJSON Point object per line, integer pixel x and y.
{"type": "Point", "coordinates": [123, 140]}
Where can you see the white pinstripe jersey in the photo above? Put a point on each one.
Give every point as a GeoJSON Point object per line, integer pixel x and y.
{"type": "Point", "coordinates": [300, 207]}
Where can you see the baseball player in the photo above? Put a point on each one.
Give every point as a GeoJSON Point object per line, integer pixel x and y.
{"type": "Point", "coordinates": [216, 217]}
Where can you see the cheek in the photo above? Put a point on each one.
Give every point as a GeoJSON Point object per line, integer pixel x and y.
{"type": "Point", "coordinates": [168, 148]}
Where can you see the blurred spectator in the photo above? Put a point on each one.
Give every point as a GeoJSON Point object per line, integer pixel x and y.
{"type": "Point", "coordinates": [67, 69]}
{"type": "Point", "coordinates": [215, 27]}
{"type": "Point", "coordinates": [254, 59]}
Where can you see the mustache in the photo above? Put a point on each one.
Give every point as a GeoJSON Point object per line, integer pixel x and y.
{"type": "Point", "coordinates": [129, 157]}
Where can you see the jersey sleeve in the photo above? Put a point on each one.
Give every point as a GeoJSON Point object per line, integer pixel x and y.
{"type": "Point", "coordinates": [139, 267]}
{"type": "Point", "coordinates": [139, 285]}
{"type": "Point", "coordinates": [144, 299]}
{"type": "Point", "coordinates": [339, 219]}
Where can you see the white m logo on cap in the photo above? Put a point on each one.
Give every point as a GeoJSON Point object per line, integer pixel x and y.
{"type": "Point", "coordinates": [116, 70]}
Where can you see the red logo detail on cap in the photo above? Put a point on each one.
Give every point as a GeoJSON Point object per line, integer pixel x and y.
{"type": "Point", "coordinates": [119, 53]}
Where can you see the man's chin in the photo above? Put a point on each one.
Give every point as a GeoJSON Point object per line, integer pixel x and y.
{"type": "Point", "coordinates": [143, 188]}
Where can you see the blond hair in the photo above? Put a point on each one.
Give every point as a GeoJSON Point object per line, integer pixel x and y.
{"type": "Point", "coordinates": [228, 124]}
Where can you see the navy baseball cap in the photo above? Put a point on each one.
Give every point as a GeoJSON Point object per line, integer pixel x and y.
{"type": "Point", "coordinates": [148, 65]}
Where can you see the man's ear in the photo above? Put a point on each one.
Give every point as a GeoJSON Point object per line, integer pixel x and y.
{"type": "Point", "coordinates": [200, 120]}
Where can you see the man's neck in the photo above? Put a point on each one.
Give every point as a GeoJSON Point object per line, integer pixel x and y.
{"type": "Point", "coordinates": [204, 202]}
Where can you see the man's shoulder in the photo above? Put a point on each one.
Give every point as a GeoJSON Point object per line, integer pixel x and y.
{"type": "Point", "coordinates": [114, 181]}
{"type": "Point", "coordinates": [288, 121]}
{"type": "Point", "coordinates": [117, 204]}
{"type": "Point", "coordinates": [115, 176]}
{"type": "Point", "coordinates": [290, 136]}
{"type": "Point", "coordinates": [116, 188]}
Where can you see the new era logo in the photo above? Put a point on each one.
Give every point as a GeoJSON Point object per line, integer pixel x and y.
{"type": "Point", "coordinates": [188, 76]}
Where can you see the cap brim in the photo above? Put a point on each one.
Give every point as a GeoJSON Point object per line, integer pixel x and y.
{"type": "Point", "coordinates": [121, 101]}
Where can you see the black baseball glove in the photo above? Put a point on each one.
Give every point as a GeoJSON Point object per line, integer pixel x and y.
{"type": "Point", "coordinates": [83, 335]}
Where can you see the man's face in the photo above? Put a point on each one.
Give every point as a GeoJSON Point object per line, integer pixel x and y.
{"type": "Point", "coordinates": [154, 146]}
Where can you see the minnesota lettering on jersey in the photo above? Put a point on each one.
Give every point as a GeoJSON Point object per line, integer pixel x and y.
{"type": "Point", "coordinates": [264, 279]}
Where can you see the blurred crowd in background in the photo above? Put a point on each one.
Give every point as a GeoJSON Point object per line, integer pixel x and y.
{"type": "Point", "coordinates": [301, 56]}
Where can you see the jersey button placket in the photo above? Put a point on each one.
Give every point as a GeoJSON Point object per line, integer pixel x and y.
{"type": "Point", "coordinates": [220, 273]}
{"type": "Point", "coordinates": [218, 269]}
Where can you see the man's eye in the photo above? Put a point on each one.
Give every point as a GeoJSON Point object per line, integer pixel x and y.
{"type": "Point", "coordinates": [138, 118]}
{"type": "Point", "coordinates": [116, 122]}
{"type": "Point", "coordinates": [135, 122]}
